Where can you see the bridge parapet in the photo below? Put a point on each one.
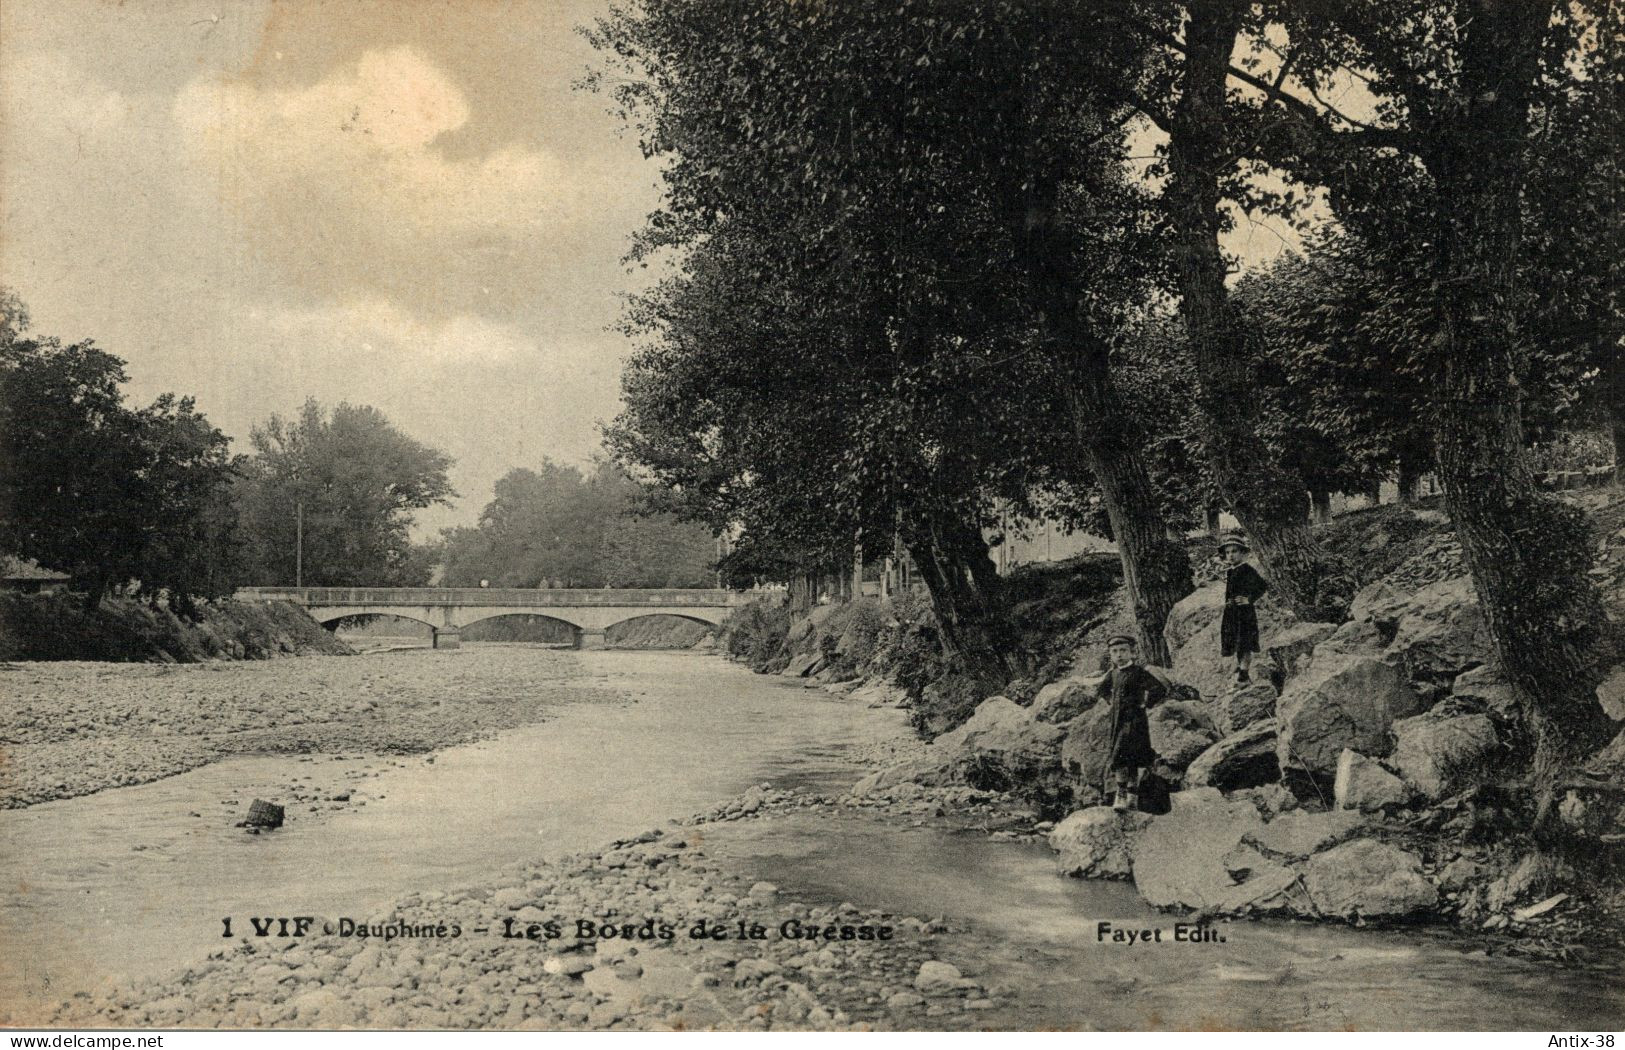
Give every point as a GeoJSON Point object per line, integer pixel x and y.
{"type": "Point", "coordinates": [487, 597]}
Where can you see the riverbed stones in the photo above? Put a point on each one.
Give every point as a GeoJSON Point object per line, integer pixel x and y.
{"type": "Point", "coordinates": [1364, 784]}
{"type": "Point", "coordinates": [938, 978]}
{"type": "Point", "coordinates": [1441, 753]}
{"type": "Point", "coordinates": [1343, 700]}
{"type": "Point", "coordinates": [1368, 879]}
{"type": "Point", "coordinates": [1098, 842]}
{"type": "Point", "coordinates": [1240, 760]}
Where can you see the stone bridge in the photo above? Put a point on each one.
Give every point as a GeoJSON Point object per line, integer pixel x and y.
{"type": "Point", "coordinates": [450, 609]}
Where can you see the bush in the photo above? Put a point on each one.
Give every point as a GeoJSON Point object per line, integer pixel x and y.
{"type": "Point", "coordinates": [59, 627]}
{"type": "Point", "coordinates": [755, 634]}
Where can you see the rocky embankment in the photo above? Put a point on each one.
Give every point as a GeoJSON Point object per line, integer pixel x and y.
{"type": "Point", "coordinates": [76, 728]}
{"type": "Point", "coordinates": [1368, 774]}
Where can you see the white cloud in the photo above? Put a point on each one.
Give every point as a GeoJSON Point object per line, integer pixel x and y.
{"type": "Point", "coordinates": [359, 147]}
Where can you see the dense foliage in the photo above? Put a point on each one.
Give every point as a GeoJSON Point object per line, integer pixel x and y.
{"type": "Point", "coordinates": [556, 527]}
{"type": "Point", "coordinates": [114, 495]}
{"type": "Point", "coordinates": [337, 486]}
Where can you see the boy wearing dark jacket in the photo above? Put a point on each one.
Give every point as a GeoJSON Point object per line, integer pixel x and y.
{"type": "Point", "coordinates": [1132, 691]}
{"type": "Point", "coordinates": [1243, 586]}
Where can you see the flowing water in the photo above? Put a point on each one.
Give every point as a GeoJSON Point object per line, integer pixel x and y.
{"type": "Point", "coordinates": [134, 881]}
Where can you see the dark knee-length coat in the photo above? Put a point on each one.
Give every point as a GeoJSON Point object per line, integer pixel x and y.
{"type": "Point", "coordinates": [1131, 691]}
{"type": "Point", "coordinates": [1238, 629]}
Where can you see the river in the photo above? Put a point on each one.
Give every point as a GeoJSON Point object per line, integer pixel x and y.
{"type": "Point", "coordinates": [134, 881]}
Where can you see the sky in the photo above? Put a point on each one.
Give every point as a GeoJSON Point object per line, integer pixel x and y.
{"type": "Point", "coordinates": [405, 204]}
{"type": "Point", "coordinates": [402, 204]}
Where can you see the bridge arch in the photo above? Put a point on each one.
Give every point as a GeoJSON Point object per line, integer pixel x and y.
{"type": "Point", "coordinates": [690, 616]}
{"type": "Point", "coordinates": [482, 615]}
{"type": "Point", "coordinates": [328, 619]}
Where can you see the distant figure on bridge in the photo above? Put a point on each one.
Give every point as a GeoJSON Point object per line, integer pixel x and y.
{"type": "Point", "coordinates": [485, 583]}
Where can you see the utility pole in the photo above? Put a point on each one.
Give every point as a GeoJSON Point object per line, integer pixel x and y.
{"type": "Point", "coordinates": [299, 543]}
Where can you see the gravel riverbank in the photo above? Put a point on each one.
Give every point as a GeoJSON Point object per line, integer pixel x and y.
{"type": "Point", "coordinates": [604, 940]}
{"type": "Point", "coordinates": [72, 729]}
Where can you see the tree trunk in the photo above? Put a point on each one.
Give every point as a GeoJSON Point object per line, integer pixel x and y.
{"type": "Point", "coordinates": [801, 595]}
{"type": "Point", "coordinates": [1528, 553]}
{"type": "Point", "coordinates": [1320, 503]}
{"type": "Point", "coordinates": [1616, 411]}
{"type": "Point", "coordinates": [965, 596]}
{"type": "Point", "coordinates": [1211, 520]}
{"type": "Point", "coordinates": [1268, 500]}
{"type": "Point", "coordinates": [1156, 568]}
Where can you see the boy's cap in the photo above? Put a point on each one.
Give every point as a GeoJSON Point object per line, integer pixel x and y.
{"type": "Point", "coordinates": [1112, 640]}
{"type": "Point", "coordinates": [1233, 539]}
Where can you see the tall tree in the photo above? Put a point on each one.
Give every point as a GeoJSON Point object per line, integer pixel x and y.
{"type": "Point", "coordinates": [928, 160]}
{"type": "Point", "coordinates": [1444, 162]}
{"type": "Point", "coordinates": [108, 493]}
{"type": "Point", "coordinates": [338, 486]}
{"type": "Point", "coordinates": [1207, 164]}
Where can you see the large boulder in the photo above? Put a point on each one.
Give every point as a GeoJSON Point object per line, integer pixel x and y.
{"type": "Point", "coordinates": [1438, 630]}
{"type": "Point", "coordinates": [1241, 760]}
{"type": "Point", "coordinates": [1368, 879]}
{"type": "Point", "coordinates": [1060, 702]}
{"type": "Point", "coordinates": [1611, 694]}
{"type": "Point", "coordinates": [926, 769]}
{"type": "Point", "coordinates": [1364, 784]}
{"type": "Point", "coordinates": [1084, 749]}
{"type": "Point", "coordinates": [1242, 705]}
{"type": "Point", "coordinates": [1299, 833]}
{"type": "Point", "coordinates": [1191, 613]}
{"type": "Point", "coordinates": [1441, 631]}
{"type": "Point", "coordinates": [1180, 730]}
{"type": "Point", "coordinates": [1002, 746]}
{"type": "Point", "coordinates": [1098, 843]}
{"type": "Point", "coordinates": [1441, 753]}
{"type": "Point", "coordinates": [802, 665]}
{"type": "Point", "coordinates": [1484, 687]}
{"type": "Point", "coordinates": [1194, 643]}
{"type": "Point", "coordinates": [1342, 701]}
{"type": "Point", "coordinates": [1192, 857]}
{"type": "Point", "coordinates": [1291, 647]}
{"type": "Point", "coordinates": [1357, 638]}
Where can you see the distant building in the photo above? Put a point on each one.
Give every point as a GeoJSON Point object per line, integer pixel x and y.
{"type": "Point", "coordinates": [26, 577]}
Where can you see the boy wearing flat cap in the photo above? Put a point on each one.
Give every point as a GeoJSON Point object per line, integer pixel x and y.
{"type": "Point", "coordinates": [1243, 586]}
{"type": "Point", "coordinates": [1131, 690]}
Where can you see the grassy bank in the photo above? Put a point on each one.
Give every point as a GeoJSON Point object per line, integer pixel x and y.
{"type": "Point", "coordinates": [59, 627]}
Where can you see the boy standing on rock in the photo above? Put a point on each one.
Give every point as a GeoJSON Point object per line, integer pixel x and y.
{"type": "Point", "coordinates": [1131, 690]}
{"type": "Point", "coordinates": [1243, 586]}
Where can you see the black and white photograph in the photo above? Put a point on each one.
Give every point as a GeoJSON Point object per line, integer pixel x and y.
{"type": "Point", "coordinates": [823, 516]}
